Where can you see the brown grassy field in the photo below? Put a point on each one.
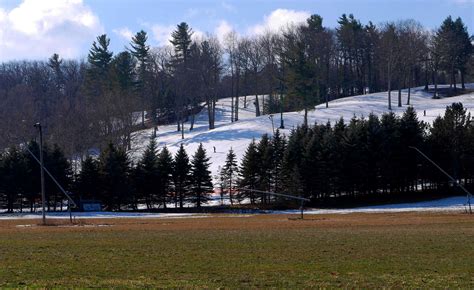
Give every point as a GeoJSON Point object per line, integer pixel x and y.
{"type": "Point", "coordinates": [353, 250]}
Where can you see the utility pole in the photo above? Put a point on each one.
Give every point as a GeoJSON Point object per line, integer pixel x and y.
{"type": "Point", "coordinates": [70, 201]}
{"type": "Point", "coordinates": [43, 194]}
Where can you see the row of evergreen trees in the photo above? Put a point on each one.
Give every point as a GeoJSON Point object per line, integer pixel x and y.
{"type": "Point", "coordinates": [156, 180]}
{"type": "Point", "coordinates": [368, 156]}
{"type": "Point", "coordinates": [20, 178]}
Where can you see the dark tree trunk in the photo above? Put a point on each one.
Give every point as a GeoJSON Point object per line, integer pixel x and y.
{"type": "Point", "coordinates": [236, 106]}
{"type": "Point", "coordinates": [232, 108]}
{"type": "Point", "coordinates": [232, 77]}
{"type": "Point", "coordinates": [399, 96]}
{"type": "Point", "coordinates": [408, 97]}
{"type": "Point", "coordinates": [257, 106]}
{"type": "Point", "coordinates": [410, 79]}
{"type": "Point", "coordinates": [454, 80]}
{"type": "Point", "coordinates": [282, 123]}
{"type": "Point", "coordinates": [191, 127]}
{"type": "Point", "coordinates": [426, 75]}
{"type": "Point", "coordinates": [389, 95]}
{"type": "Point", "coordinates": [305, 122]}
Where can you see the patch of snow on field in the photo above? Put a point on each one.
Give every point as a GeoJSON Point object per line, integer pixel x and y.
{"type": "Point", "coordinates": [451, 204]}
{"type": "Point", "coordinates": [457, 203]}
{"type": "Point", "coordinates": [97, 215]}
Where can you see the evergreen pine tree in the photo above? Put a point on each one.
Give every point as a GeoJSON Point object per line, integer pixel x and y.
{"type": "Point", "coordinates": [454, 46]}
{"type": "Point", "coordinates": [266, 161]}
{"type": "Point", "coordinates": [114, 169]}
{"type": "Point", "coordinates": [147, 175]}
{"type": "Point", "coordinates": [390, 161]}
{"type": "Point", "coordinates": [181, 40]}
{"type": "Point", "coordinates": [201, 177]}
{"type": "Point", "coordinates": [140, 50]}
{"type": "Point", "coordinates": [58, 165]}
{"type": "Point", "coordinates": [183, 77]}
{"type": "Point", "coordinates": [165, 173]}
{"type": "Point", "coordinates": [123, 65]}
{"type": "Point", "coordinates": [293, 155]}
{"type": "Point", "coordinates": [449, 140]}
{"type": "Point", "coordinates": [33, 181]}
{"type": "Point", "coordinates": [374, 152]}
{"type": "Point", "coordinates": [279, 147]}
{"type": "Point", "coordinates": [249, 173]}
{"type": "Point", "coordinates": [310, 164]}
{"type": "Point", "coordinates": [411, 134]}
{"type": "Point", "coordinates": [13, 173]}
{"type": "Point", "coordinates": [467, 48]}
{"type": "Point", "coordinates": [54, 62]}
{"type": "Point", "coordinates": [229, 174]}
{"type": "Point", "coordinates": [100, 56]}
{"type": "Point", "coordinates": [98, 92]}
{"type": "Point", "coordinates": [222, 184]}
{"type": "Point", "coordinates": [89, 180]}
{"type": "Point", "coordinates": [181, 175]}
{"type": "Point", "coordinates": [354, 161]}
{"type": "Point", "coordinates": [123, 98]}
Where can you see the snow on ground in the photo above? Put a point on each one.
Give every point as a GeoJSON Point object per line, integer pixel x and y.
{"type": "Point", "coordinates": [239, 134]}
{"type": "Point", "coordinates": [97, 215]}
{"type": "Point", "coordinates": [451, 204]}
{"type": "Point", "coordinates": [457, 203]}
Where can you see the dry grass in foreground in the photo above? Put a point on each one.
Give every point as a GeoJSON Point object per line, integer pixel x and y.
{"type": "Point", "coordinates": [360, 250]}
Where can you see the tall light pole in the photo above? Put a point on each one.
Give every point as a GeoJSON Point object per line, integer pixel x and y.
{"type": "Point", "coordinates": [43, 195]}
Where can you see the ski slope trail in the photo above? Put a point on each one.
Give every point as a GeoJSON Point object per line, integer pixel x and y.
{"type": "Point", "coordinates": [237, 135]}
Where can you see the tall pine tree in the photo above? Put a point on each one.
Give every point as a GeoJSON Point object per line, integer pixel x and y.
{"type": "Point", "coordinates": [181, 175]}
{"type": "Point", "coordinates": [201, 178]}
{"type": "Point", "coordinates": [147, 175]}
{"type": "Point", "coordinates": [229, 174]}
{"type": "Point", "coordinates": [165, 173]}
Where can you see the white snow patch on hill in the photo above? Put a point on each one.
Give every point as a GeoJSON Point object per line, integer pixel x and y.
{"type": "Point", "coordinates": [239, 134]}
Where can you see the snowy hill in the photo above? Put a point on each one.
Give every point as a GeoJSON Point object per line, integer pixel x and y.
{"type": "Point", "coordinates": [239, 134]}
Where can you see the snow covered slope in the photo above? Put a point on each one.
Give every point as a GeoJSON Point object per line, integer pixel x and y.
{"type": "Point", "coordinates": [239, 134]}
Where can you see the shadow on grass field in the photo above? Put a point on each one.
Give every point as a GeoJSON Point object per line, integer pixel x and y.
{"type": "Point", "coordinates": [355, 250]}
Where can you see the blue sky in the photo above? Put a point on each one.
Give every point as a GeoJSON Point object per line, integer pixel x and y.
{"type": "Point", "coordinates": [38, 28]}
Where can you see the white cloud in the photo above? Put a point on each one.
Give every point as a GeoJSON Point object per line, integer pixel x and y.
{"type": "Point", "coordinates": [222, 30]}
{"type": "Point", "coordinates": [124, 32]}
{"type": "Point", "coordinates": [162, 33]}
{"type": "Point", "coordinates": [37, 29]}
{"type": "Point", "coordinates": [278, 19]}
{"type": "Point", "coordinates": [198, 35]}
